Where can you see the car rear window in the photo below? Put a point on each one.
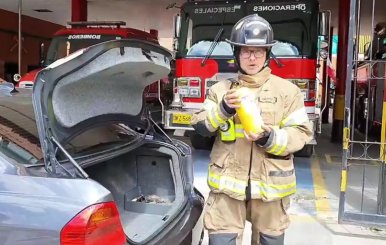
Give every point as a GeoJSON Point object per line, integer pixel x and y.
{"type": "Point", "coordinates": [17, 144]}
{"type": "Point", "coordinates": [16, 153]}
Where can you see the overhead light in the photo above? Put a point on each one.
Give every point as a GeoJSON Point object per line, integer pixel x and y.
{"type": "Point", "coordinates": [43, 10]}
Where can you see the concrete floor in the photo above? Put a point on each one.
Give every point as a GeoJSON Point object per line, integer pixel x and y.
{"type": "Point", "coordinates": [314, 208]}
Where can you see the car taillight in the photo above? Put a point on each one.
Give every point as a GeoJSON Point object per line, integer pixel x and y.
{"type": "Point", "coordinates": [189, 86]}
{"type": "Point", "coordinates": [96, 225]}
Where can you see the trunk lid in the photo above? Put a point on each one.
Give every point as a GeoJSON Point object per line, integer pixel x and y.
{"type": "Point", "coordinates": [100, 84]}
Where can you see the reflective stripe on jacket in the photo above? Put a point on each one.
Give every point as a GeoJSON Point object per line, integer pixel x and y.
{"type": "Point", "coordinates": [235, 161]}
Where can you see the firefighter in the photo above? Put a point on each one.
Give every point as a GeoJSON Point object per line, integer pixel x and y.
{"type": "Point", "coordinates": [251, 176]}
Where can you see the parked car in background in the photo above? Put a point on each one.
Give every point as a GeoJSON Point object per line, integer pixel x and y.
{"type": "Point", "coordinates": [81, 161]}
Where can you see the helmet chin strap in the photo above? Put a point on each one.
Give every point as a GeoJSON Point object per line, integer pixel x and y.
{"type": "Point", "coordinates": [236, 54]}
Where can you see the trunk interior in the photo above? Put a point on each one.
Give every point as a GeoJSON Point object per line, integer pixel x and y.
{"type": "Point", "coordinates": [147, 187]}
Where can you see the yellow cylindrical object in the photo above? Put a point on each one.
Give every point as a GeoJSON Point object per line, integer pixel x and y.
{"type": "Point", "coordinates": [248, 112]}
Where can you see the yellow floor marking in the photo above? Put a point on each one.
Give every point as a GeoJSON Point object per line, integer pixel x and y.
{"type": "Point", "coordinates": [321, 196]}
{"type": "Point", "coordinates": [303, 218]}
{"type": "Point", "coordinates": [328, 158]}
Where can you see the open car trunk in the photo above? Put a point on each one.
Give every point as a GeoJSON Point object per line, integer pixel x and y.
{"type": "Point", "coordinates": [147, 187]}
{"type": "Point", "coordinates": [104, 85]}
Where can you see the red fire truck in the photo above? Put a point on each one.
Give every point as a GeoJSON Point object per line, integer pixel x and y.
{"type": "Point", "coordinates": [203, 57]}
{"type": "Point", "coordinates": [370, 85]}
{"type": "Point", "coordinates": [83, 34]}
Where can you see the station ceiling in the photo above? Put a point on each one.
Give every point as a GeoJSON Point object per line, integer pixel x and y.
{"type": "Point", "coordinates": [147, 14]}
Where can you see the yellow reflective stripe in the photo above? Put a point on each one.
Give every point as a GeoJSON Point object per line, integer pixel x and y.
{"type": "Point", "coordinates": [240, 135]}
{"type": "Point", "coordinates": [213, 183]}
{"type": "Point", "coordinates": [280, 187]}
{"type": "Point", "coordinates": [209, 104]}
{"type": "Point", "coordinates": [239, 131]}
{"type": "Point", "coordinates": [275, 188]}
{"type": "Point", "coordinates": [212, 118]}
{"type": "Point", "coordinates": [212, 121]}
{"type": "Point", "coordinates": [215, 118]}
{"type": "Point", "coordinates": [258, 188]}
{"type": "Point", "coordinates": [284, 145]}
{"type": "Point", "coordinates": [279, 142]}
{"type": "Point", "coordinates": [281, 150]}
{"type": "Point", "coordinates": [238, 126]}
{"type": "Point", "coordinates": [226, 183]}
{"type": "Point", "coordinates": [281, 195]}
{"type": "Point", "coordinates": [218, 118]}
{"type": "Point", "coordinates": [297, 117]}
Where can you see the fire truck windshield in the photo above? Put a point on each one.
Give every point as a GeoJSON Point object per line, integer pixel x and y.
{"type": "Point", "coordinates": [61, 46]}
{"type": "Point", "coordinates": [201, 48]}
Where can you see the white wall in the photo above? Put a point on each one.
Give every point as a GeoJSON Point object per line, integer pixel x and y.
{"type": "Point", "coordinates": [167, 43]}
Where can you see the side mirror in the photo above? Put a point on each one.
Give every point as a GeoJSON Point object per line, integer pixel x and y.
{"type": "Point", "coordinates": [175, 44]}
{"type": "Point", "coordinates": [323, 53]}
{"type": "Point", "coordinates": [324, 23]}
{"type": "Point", "coordinates": [41, 54]}
{"type": "Point", "coordinates": [177, 25]}
{"type": "Point", "coordinates": [16, 77]}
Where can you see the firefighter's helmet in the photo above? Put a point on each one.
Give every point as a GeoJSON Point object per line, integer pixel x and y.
{"type": "Point", "coordinates": [253, 31]}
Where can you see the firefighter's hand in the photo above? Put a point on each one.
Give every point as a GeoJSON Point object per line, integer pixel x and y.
{"type": "Point", "coordinates": [232, 98]}
{"type": "Point", "coordinates": [254, 137]}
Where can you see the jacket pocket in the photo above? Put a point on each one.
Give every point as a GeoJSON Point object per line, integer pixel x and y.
{"type": "Point", "coordinates": [219, 156]}
{"type": "Point", "coordinates": [209, 216]}
{"type": "Point", "coordinates": [279, 177]}
{"type": "Point", "coordinates": [285, 204]}
{"type": "Point", "coordinates": [279, 171]}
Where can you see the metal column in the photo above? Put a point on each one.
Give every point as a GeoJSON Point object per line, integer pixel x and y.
{"type": "Point", "coordinates": [16, 77]}
{"type": "Point", "coordinates": [326, 81]}
{"type": "Point", "coordinates": [342, 68]}
{"type": "Point", "coordinates": [79, 10]}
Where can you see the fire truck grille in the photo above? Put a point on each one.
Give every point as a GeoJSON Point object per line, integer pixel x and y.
{"type": "Point", "coordinates": [210, 83]}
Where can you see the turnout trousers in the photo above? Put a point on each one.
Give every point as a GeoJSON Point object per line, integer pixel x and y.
{"type": "Point", "coordinates": [225, 218]}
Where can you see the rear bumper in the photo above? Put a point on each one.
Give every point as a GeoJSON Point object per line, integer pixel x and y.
{"type": "Point", "coordinates": [187, 223]}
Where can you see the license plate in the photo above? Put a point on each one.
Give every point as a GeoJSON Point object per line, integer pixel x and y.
{"type": "Point", "coordinates": [181, 118]}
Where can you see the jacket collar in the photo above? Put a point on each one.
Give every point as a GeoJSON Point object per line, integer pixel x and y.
{"type": "Point", "coordinates": [255, 81]}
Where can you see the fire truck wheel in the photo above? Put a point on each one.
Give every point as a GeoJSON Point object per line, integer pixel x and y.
{"type": "Point", "coordinates": [305, 152]}
{"type": "Point", "coordinates": [200, 142]}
